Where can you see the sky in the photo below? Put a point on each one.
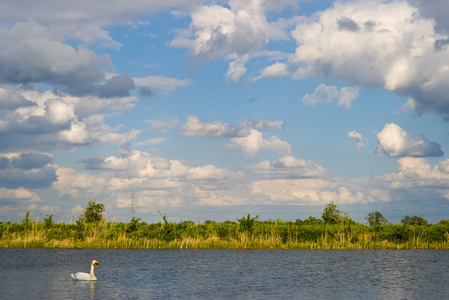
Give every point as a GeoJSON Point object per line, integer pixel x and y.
{"type": "Point", "coordinates": [210, 110]}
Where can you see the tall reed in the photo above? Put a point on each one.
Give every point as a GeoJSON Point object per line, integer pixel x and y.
{"type": "Point", "coordinates": [226, 235]}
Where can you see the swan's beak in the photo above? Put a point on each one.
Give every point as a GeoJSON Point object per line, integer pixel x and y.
{"type": "Point", "coordinates": [96, 265]}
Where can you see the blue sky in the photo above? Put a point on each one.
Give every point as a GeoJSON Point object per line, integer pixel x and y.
{"type": "Point", "coordinates": [213, 109]}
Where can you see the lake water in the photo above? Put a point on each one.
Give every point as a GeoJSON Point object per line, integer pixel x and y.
{"type": "Point", "coordinates": [225, 274]}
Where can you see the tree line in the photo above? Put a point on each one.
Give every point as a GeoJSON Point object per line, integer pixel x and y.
{"type": "Point", "coordinates": [94, 212]}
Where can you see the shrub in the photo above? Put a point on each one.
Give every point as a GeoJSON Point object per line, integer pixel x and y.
{"type": "Point", "coordinates": [93, 212]}
{"type": "Point", "coordinates": [48, 222]}
{"type": "Point", "coordinates": [247, 225]}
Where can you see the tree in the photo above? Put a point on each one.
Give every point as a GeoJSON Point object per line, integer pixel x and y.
{"type": "Point", "coordinates": [313, 221]}
{"type": "Point", "coordinates": [48, 222]}
{"type": "Point", "coordinates": [26, 222]}
{"type": "Point", "coordinates": [419, 221]}
{"type": "Point", "coordinates": [415, 220]}
{"type": "Point", "coordinates": [376, 219]}
{"type": "Point", "coordinates": [248, 223]}
{"type": "Point", "coordinates": [331, 215]}
{"type": "Point", "coordinates": [406, 220]}
{"type": "Point", "coordinates": [93, 212]}
{"type": "Point", "coordinates": [133, 225]}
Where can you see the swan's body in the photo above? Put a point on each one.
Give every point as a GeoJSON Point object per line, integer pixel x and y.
{"type": "Point", "coordinates": [86, 276]}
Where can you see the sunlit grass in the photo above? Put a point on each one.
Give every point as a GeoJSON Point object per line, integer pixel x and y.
{"type": "Point", "coordinates": [227, 235]}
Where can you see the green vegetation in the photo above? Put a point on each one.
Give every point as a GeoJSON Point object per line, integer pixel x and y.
{"type": "Point", "coordinates": [335, 231]}
{"type": "Point", "coordinates": [377, 219]}
{"type": "Point", "coordinates": [93, 212]}
{"type": "Point", "coordinates": [415, 220]}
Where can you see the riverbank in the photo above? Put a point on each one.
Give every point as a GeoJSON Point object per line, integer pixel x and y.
{"type": "Point", "coordinates": [226, 235]}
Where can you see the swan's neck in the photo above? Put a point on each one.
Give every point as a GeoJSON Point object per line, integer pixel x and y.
{"type": "Point", "coordinates": [92, 271]}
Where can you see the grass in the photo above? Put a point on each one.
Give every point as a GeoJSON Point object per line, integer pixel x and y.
{"type": "Point", "coordinates": [226, 235]}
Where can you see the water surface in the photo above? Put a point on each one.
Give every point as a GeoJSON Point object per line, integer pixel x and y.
{"type": "Point", "coordinates": [225, 274]}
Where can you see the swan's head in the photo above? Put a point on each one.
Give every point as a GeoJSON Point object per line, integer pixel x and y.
{"type": "Point", "coordinates": [94, 262]}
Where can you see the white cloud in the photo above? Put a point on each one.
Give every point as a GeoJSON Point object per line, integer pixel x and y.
{"type": "Point", "coordinates": [20, 194]}
{"type": "Point", "coordinates": [218, 30]}
{"type": "Point", "coordinates": [436, 10]}
{"type": "Point", "coordinates": [75, 135]}
{"type": "Point", "coordinates": [358, 139]}
{"type": "Point", "coordinates": [50, 209]}
{"type": "Point", "coordinates": [262, 124]}
{"type": "Point", "coordinates": [50, 122]}
{"type": "Point", "coordinates": [347, 95]}
{"type": "Point", "coordinates": [237, 32]}
{"type": "Point", "coordinates": [154, 141]}
{"type": "Point", "coordinates": [377, 44]}
{"type": "Point", "coordinates": [287, 181]}
{"type": "Point", "coordinates": [326, 94]}
{"type": "Point", "coordinates": [59, 112]}
{"type": "Point", "coordinates": [27, 170]}
{"type": "Point", "coordinates": [155, 180]}
{"type": "Point", "coordinates": [288, 167]}
{"type": "Point", "coordinates": [275, 70]}
{"type": "Point", "coordinates": [195, 127]}
{"type": "Point", "coordinates": [246, 137]}
{"type": "Point", "coordinates": [417, 173]}
{"type": "Point", "coordinates": [407, 107]}
{"type": "Point", "coordinates": [252, 143]}
{"type": "Point", "coordinates": [85, 20]}
{"type": "Point", "coordinates": [236, 67]}
{"type": "Point", "coordinates": [311, 192]}
{"type": "Point", "coordinates": [29, 53]}
{"type": "Point", "coordinates": [394, 141]}
{"type": "Point", "coordinates": [17, 201]}
{"type": "Point", "coordinates": [77, 210]}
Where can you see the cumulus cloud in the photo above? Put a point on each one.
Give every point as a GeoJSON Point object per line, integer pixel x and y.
{"type": "Point", "coordinates": [262, 124]}
{"type": "Point", "coordinates": [358, 139]}
{"type": "Point", "coordinates": [156, 181]}
{"type": "Point", "coordinates": [245, 137]}
{"type": "Point", "coordinates": [54, 122]}
{"type": "Point", "coordinates": [417, 173]}
{"type": "Point", "coordinates": [287, 180]}
{"type": "Point", "coordinates": [435, 10]}
{"type": "Point", "coordinates": [10, 101]}
{"type": "Point", "coordinates": [154, 141]}
{"type": "Point", "coordinates": [19, 194]}
{"type": "Point", "coordinates": [377, 44]}
{"type": "Point", "coordinates": [29, 53]}
{"type": "Point", "coordinates": [394, 141]}
{"type": "Point", "coordinates": [27, 170]}
{"type": "Point", "coordinates": [217, 30]}
{"type": "Point", "coordinates": [275, 70]}
{"type": "Point", "coordinates": [85, 20]}
{"type": "Point", "coordinates": [292, 181]}
{"type": "Point", "coordinates": [17, 201]}
{"type": "Point", "coordinates": [313, 192]}
{"type": "Point", "coordinates": [326, 94]}
{"type": "Point", "coordinates": [410, 105]}
{"type": "Point", "coordinates": [195, 127]}
{"type": "Point", "coordinates": [117, 86]}
{"type": "Point", "coordinates": [252, 143]}
{"type": "Point", "coordinates": [288, 167]}
{"type": "Point", "coordinates": [237, 32]}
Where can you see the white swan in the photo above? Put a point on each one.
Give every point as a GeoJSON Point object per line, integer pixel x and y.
{"type": "Point", "coordinates": [86, 276]}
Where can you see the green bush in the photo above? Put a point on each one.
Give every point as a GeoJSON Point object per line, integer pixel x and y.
{"type": "Point", "coordinates": [247, 225]}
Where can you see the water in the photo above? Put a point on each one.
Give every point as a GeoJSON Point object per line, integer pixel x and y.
{"type": "Point", "coordinates": [225, 274]}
